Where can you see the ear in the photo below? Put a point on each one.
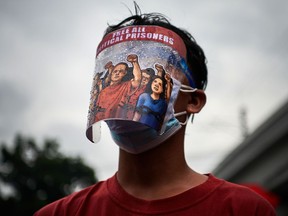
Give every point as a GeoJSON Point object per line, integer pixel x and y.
{"type": "Point", "coordinates": [197, 102]}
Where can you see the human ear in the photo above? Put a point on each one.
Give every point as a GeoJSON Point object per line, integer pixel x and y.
{"type": "Point", "coordinates": [197, 102]}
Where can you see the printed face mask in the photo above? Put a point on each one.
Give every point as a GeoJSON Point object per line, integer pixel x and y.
{"type": "Point", "coordinates": [135, 72]}
{"type": "Point", "coordinates": [135, 138]}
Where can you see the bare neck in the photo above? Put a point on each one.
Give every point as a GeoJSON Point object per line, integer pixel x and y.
{"type": "Point", "coordinates": [158, 173]}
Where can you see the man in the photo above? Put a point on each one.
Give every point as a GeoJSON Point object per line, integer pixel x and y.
{"type": "Point", "coordinates": [146, 76]}
{"type": "Point", "coordinates": [153, 177]}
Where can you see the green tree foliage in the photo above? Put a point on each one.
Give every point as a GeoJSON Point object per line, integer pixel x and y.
{"type": "Point", "coordinates": [38, 175]}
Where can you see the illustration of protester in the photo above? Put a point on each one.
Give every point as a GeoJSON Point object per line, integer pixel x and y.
{"type": "Point", "coordinates": [110, 96]}
{"type": "Point", "coordinates": [96, 86]}
{"type": "Point", "coordinates": [128, 102]}
{"type": "Point", "coordinates": [106, 77]}
{"type": "Point", "coordinates": [100, 81]}
{"type": "Point", "coordinates": [151, 105]}
{"type": "Point", "coordinates": [167, 76]}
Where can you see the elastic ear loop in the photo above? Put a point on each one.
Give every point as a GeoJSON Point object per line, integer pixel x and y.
{"type": "Point", "coordinates": [182, 113]}
{"type": "Point", "coordinates": [188, 90]}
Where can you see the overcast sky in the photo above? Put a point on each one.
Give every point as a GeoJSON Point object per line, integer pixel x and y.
{"type": "Point", "coordinates": [47, 51]}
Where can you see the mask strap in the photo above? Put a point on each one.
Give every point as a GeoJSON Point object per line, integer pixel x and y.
{"type": "Point", "coordinates": [188, 89]}
{"type": "Point", "coordinates": [182, 113]}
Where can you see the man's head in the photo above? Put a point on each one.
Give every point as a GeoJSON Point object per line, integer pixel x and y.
{"type": "Point", "coordinates": [154, 39]}
{"type": "Point", "coordinates": [146, 76]}
{"type": "Point", "coordinates": [118, 72]}
{"type": "Point", "coordinates": [195, 57]}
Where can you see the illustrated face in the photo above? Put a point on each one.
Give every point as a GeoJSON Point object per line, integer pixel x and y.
{"type": "Point", "coordinates": [157, 86]}
{"type": "Point", "coordinates": [118, 73]}
{"type": "Point", "coordinates": [145, 79]}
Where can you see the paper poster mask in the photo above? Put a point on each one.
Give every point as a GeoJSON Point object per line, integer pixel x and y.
{"type": "Point", "coordinates": [135, 70]}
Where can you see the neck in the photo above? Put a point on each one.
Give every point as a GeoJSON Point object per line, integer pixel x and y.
{"type": "Point", "coordinates": [114, 82]}
{"type": "Point", "coordinates": [155, 96]}
{"type": "Point", "coordinates": [157, 173]}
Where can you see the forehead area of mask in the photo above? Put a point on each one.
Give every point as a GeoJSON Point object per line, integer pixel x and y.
{"type": "Point", "coordinates": [154, 43]}
{"type": "Point", "coordinates": [153, 33]}
{"type": "Point", "coordinates": [144, 33]}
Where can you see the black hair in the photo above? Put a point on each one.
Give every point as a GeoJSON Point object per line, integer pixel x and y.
{"type": "Point", "coordinates": [196, 59]}
{"type": "Point", "coordinates": [149, 71]}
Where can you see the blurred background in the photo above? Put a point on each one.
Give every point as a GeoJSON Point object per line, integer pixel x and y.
{"type": "Point", "coordinates": [47, 53]}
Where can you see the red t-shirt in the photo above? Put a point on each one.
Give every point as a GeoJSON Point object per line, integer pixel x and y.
{"type": "Point", "coordinates": [215, 197]}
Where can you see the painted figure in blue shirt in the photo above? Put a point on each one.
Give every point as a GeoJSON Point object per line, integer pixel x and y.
{"type": "Point", "coordinates": [151, 105]}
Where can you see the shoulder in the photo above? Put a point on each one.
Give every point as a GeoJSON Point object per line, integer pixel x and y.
{"type": "Point", "coordinates": [242, 199]}
{"type": "Point", "coordinates": [239, 192]}
{"type": "Point", "coordinates": [70, 204]}
{"type": "Point", "coordinates": [145, 95]}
